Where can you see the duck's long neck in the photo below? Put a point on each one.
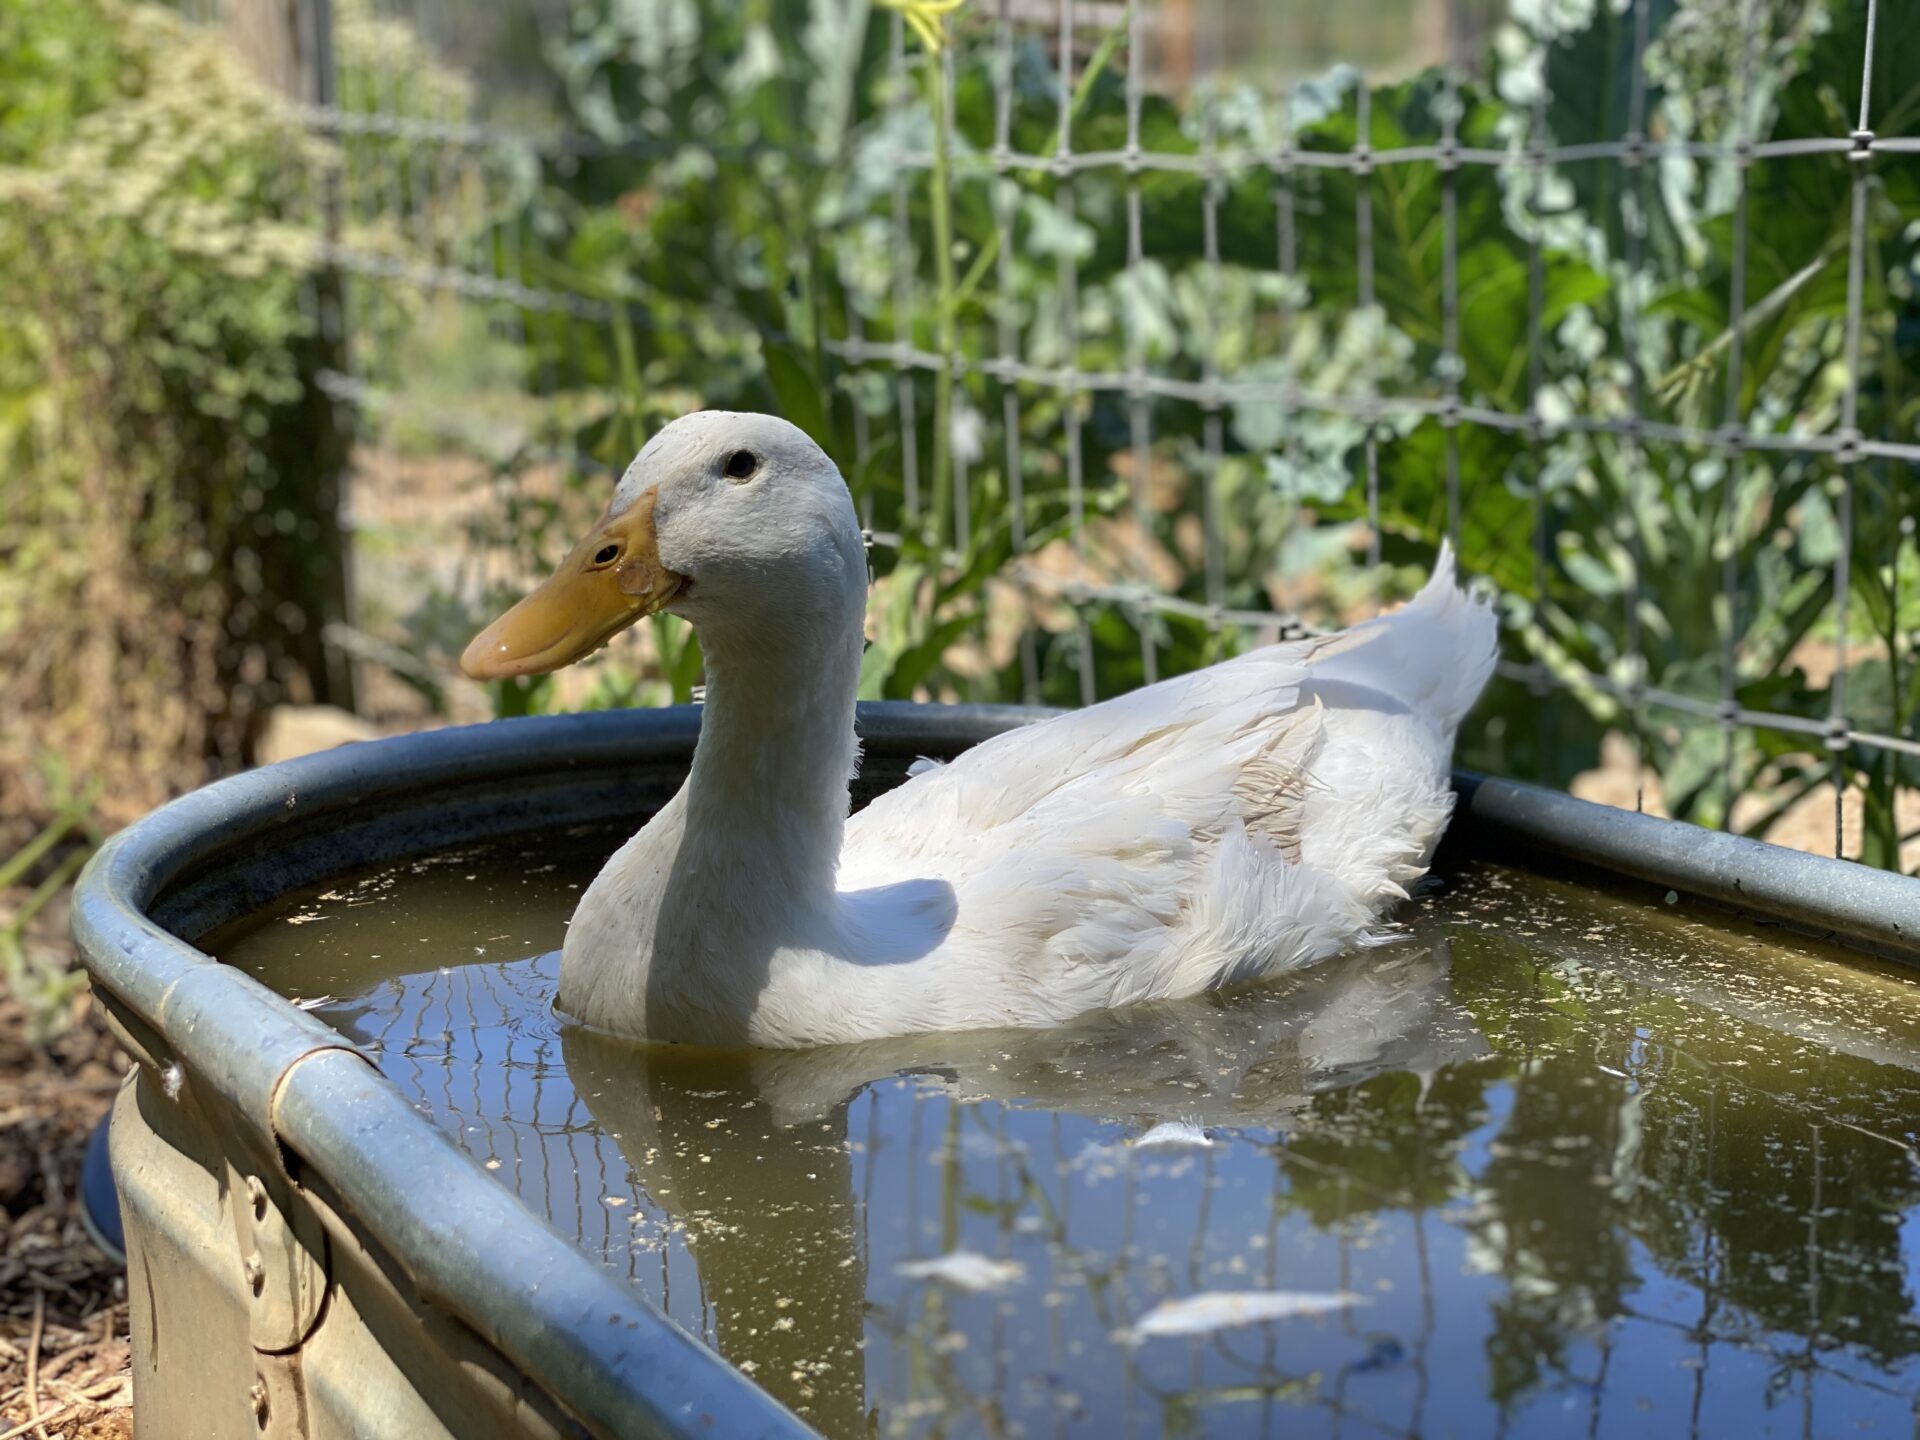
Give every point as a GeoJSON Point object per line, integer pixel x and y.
{"type": "Point", "coordinates": [766, 802]}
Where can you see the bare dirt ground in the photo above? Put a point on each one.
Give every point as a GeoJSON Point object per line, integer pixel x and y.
{"type": "Point", "coordinates": [63, 1310]}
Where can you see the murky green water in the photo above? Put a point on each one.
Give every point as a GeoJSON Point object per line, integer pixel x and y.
{"type": "Point", "coordinates": [1588, 1166]}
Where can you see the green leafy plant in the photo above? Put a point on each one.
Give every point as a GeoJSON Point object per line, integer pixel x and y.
{"type": "Point", "coordinates": [775, 198]}
{"type": "Point", "coordinates": [39, 871]}
{"type": "Point", "coordinates": [152, 411]}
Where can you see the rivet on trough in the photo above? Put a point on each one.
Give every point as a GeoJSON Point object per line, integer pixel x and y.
{"type": "Point", "coordinates": [257, 1397]}
{"type": "Point", "coordinates": [283, 1263]}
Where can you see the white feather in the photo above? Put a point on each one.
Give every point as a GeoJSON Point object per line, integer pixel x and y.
{"type": "Point", "coordinates": [1174, 1135]}
{"type": "Point", "coordinates": [1213, 1310]}
{"type": "Point", "coordinates": [964, 1270]}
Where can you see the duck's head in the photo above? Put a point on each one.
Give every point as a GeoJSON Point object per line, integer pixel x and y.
{"type": "Point", "coordinates": [739, 523]}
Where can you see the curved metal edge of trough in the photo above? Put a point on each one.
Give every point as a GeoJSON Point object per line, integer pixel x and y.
{"type": "Point", "coordinates": [1837, 900]}
{"type": "Point", "coordinates": [602, 1352]}
{"type": "Point", "coordinates": [610, 1359]}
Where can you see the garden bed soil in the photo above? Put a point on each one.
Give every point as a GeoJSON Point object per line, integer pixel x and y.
{"type": "Point", "coordinates": [63, 1304]}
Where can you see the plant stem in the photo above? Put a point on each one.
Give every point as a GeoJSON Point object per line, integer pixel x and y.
{"type": "Point", "coordinates": [943, 313]}
{"type": "Point", "coordinates": [1102, 57]}
{"type": "Point", "coordinates": [44, 892]}
{"type": "Point", "coordinates": [23, 859]}
{"type": "Point", "coordinates": [629, 365]}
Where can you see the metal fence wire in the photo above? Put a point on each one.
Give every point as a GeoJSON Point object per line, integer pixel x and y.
{"type": "Point", "coordinates": [1131, 467]}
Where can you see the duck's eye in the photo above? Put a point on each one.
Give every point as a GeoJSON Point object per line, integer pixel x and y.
{"type": "Point", "coordinates": [606, 555]}
{"type": "Point", "coordinates": [741, 464]}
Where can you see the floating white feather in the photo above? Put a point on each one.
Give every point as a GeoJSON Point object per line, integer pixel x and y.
{"type": "Point", "coordinates": [966, 1270]}
{"type": "Point", "coordinates": [1213, 1310]}
{"type": "Point", "coordinates": [1174, 1135]}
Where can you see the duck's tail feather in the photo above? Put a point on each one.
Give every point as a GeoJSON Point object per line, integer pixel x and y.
{"type": "Point", "coordinates": [1434, 654]}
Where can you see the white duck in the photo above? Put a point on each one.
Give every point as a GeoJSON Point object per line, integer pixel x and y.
{"type": "Point", "coordinates": [1217, 827]}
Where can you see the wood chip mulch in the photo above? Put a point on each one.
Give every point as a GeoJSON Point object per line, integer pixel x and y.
{"type": "Point", "coordinates": [64, 1365]}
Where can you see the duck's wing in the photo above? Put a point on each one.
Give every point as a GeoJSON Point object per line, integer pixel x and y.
{"type": "Point", "coordinates": [1230, 822]}
{"type": "Point", "coordinates": [1231, 742]}
{"type": "Point", "coordinates": [1134, 850]}
{"type": "Point", "coordinates": [1192, 742]}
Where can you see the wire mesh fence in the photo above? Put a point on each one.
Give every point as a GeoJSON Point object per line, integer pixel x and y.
{"type": "Point", "coordinates": [1132, 362]}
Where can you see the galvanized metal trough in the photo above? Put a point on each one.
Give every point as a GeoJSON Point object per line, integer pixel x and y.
{"type": "Point", "coordinates": [308, 1255]}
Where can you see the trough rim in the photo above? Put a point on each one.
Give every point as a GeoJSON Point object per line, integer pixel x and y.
{"type": "Point", "coordinates": [307, 1092]}
{"type": "Point", "coordinates": [1842, 902]}
{"type": "Point", "coordinates": [604, 1352]}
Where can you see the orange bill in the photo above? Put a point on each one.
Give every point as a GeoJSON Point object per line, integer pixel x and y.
{"type": "Point", "coordinates": [609, 580]}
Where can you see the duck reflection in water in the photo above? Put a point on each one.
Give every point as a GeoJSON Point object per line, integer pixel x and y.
{"type": "Point", "coordinates": [749, 1150]}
